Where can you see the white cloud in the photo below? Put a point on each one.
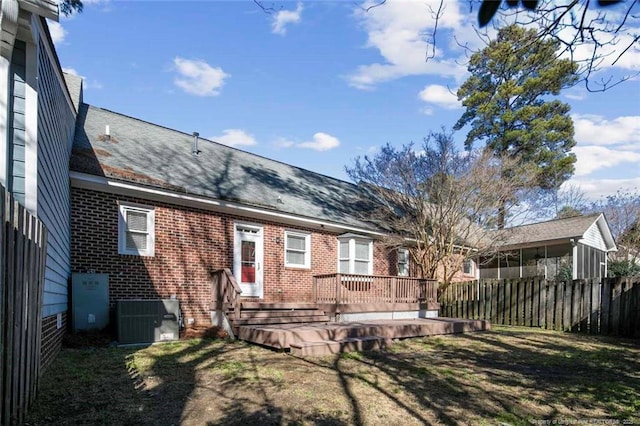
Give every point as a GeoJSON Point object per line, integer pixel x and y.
{"type": "Point", "coordinates": [439, 95]}
{"type": "Point", "coordinates": [198, 78]}
{"type": "Point", "coordinates": [235, 137]}
{"type": "Point", "coordinates": [321, 142]}
{"type": "Point", "coordinates": [283, 143]}
{"type": "Point", "coordinates": [596, 130]}
{"type": "Point", "coordinates": [400, 31]}
{"type": "Point", "coordinates": [597, 188]}
{"type": "Point", "coordinates": [58, 33]}
{"type": "Point", "coordinates": [592, 158]}
{"type": "Point", "coordinates": [284, 18]}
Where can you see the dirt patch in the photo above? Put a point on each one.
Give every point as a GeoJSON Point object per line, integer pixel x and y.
{"type": "Point", "coordinates": [87, 339]}
{"type": "Point", "coordinates": [506, 376]}
{"type": "Point", "coordinates": [203, 332]}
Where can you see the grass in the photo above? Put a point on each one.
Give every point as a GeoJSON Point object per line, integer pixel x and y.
{"type": "Point", "coordinates": [513, 376]}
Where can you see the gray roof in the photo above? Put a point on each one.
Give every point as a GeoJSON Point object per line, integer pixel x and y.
{"type": "Point", "coordinates": [156, 156]}
{"type": "Point", "coordinates": [74, 85]}
{"type": "Point", "coordinates": [558, 229]}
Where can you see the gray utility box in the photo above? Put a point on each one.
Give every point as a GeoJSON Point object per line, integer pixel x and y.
{"type": "Point", "coordinates": [147, 321]}
{"type": "Point", "coordinates": [90, 296]}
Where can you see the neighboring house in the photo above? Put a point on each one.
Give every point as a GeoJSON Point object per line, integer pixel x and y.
{"type": "Point", "coordinates": [571, 248]}
{"type": "Point", "coordinates": [37, 122]}
{"type": "Point", "coordinates": [159, 211]}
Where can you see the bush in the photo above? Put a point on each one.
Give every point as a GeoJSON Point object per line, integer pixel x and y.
{"type": "Point", "coordinates": [624, 268]}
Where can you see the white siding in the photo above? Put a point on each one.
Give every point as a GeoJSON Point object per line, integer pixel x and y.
{"type": "Point", "coordinates": [56, 126]}
{"type": "Point", "coordinates": [593, 238]}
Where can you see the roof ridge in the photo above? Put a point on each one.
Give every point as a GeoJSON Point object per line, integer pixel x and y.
{"type": "Point", "coordinates": [221, 144]}
{"type": "Point", "coordinates": [582, 216]}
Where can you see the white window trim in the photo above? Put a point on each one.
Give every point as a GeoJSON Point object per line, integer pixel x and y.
{"type": "Point", "coordinates": [406, 251]}
{"type": "Point", "coordinates": [122, 229]}
{"type": "Point", "coordinates": [307, 250]}
{"type": "Point", "coordinates": [352, 238]}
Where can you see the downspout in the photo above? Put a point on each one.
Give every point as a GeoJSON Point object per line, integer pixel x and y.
{"type": "Point", "coordinates": [574, 259]}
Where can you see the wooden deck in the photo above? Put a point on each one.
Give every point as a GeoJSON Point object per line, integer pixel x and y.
{"type": "Point", "coordinates": [336, 337]}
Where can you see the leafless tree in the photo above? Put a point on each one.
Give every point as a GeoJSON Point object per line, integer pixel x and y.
{"type": "Point", "coordinates": [438, 202]}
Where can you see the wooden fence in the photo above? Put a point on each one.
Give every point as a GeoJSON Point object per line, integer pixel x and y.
{"type": "Point", "coordinates": [23, 242]}
{"type": "Point", "coordinates": [610, 307]}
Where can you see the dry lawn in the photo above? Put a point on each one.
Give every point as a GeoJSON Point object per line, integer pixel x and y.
{"type": "Point", "coordinates": [506, 376]}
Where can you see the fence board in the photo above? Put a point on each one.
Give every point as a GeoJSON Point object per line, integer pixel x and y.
{"type": "Point", "coordinates": [625, 311]}
{"type": "Point", "coordinates": [614, 319]}
{"type": "Point", "coordinates": [519, 308]}
{"type": "Point", "coordinates": [594, 307]}
{"type": "Point", "coordinates": [610, 306]}
{"type": "Point", "coordinates": [542, 304]}
{"type": "Point", "coordinates": [575, 306]}
{"type": "Point", "coordinates": [23, 257]}
{"type": "Point", "coordinates": [635, 295]}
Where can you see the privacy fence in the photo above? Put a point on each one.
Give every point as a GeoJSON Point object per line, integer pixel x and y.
{"type": "Point", "coordinates": [610, 306]}
{"type": "Point", "coordinates": [22, 255]}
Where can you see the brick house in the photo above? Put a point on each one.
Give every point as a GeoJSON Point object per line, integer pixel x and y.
{"type": "Point", "coordinates": [159, 211]}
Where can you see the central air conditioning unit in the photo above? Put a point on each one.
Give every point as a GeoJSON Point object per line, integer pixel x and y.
{"type": "Point", "coordinates": [147, 321]}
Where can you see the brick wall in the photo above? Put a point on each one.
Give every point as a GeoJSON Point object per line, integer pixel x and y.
{"type": "Point", "coordinates": [189, 244]}
{"type": "Point", "coordinates": [51, 341]}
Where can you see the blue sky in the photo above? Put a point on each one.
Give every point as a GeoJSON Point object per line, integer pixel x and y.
{"type": "Point", "coordinates": [315, 84]}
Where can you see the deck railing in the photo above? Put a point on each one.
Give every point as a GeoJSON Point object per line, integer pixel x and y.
{"type": "Point", "coordinates": [362, 289]}
{"type": "Point", "coordinates": [225, 292]}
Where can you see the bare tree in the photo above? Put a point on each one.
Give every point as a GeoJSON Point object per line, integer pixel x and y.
{"type": "Point", "coordinates": [622, 211]}
{"type": "Point", "coordinates": [438, 202]}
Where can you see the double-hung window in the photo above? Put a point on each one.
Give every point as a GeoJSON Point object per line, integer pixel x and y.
{"type": "Point", "coordinates": [136, 230]}
{"type": "Point", "coordinates": [355, 255]}
{"type": "Point", "coordinates": [297, 249]}
{"type": "Point", "coordinates": [467, 267]}
{"type": "Point", "coordinates": [403, 262]}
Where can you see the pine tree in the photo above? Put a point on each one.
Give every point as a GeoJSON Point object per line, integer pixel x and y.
{"type": "Point", "coordinates": [509, 104]}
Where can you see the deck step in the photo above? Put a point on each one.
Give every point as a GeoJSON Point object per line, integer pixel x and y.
{"type": "Point", "coordinates": [328, 347]}
{"type": "Point", "coordinates": [281, 320]}
{"type": "Point", "coordinates": [272, 306]}
{"type": "Point", "coordinates": [280, 313]}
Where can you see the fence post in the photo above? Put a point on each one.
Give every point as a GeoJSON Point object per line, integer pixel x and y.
{"type": "Point", "coordinates": [605, 311]}
{"type": "Point", "coordinates": [542, 285]}
{"type": "Point", "coordinates": [635, 294]}
{"type": "Point", "coordinates": [594, 307]}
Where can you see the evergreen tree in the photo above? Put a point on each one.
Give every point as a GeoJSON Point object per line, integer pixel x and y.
{"type": "Point", "coordinates": [509, 105]}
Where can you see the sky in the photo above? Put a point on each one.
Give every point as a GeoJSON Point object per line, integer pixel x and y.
{"type": "Point", "coordinates": [317, 83]}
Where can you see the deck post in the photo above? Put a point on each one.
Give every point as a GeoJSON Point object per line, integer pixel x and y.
{"type": "Point", "coordinates": [315, 289]}
{"type": "Point", "coordinates": [394, 289]}
{"type": "Point", "coordinates": [338, 286]}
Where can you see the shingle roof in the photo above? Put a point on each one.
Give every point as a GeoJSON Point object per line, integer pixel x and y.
{"type": "Point", "coordinates": [74, 85]}
{"type": "Point", "coordinates": [156, 156]}
{"type": "Point", "coordinates": [550, 230]}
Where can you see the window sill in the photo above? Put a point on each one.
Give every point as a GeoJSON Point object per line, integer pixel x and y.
{"type": "Point", "coordinates": [297, 268]}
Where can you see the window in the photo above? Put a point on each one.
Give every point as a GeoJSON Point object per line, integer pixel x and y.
{"type": "Point", "coordinates": [355, 255]}
{"type": "Point", "coordinates": [297, 249]}
{"type": "Point", "coordinates": [136, 230]}
{"type": "Point", "coordinates": [467, 267]}
{"type": "Point", "coordinates": [403, 262]}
